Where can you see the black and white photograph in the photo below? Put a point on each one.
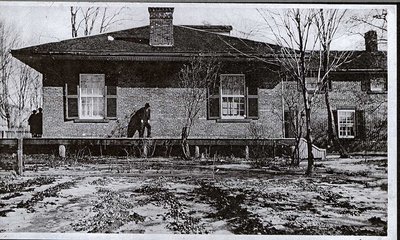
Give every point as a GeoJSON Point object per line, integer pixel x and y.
{"type": "Point", "coordinates": [141, 120]}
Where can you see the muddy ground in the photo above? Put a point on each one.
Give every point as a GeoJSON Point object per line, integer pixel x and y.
{"type": "Point", "coordinates": [343, 197]}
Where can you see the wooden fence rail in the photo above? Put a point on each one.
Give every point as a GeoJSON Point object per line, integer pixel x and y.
{"type": "Point", "coordinates": [20, 143]}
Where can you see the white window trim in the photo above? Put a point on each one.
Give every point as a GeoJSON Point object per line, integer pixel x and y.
{"type": "Point", "coordinates": [232, 95]}
{"type": "Point", "coordinates": [80, 95]}
{"type": "Point", "coordinates": [341, 111]}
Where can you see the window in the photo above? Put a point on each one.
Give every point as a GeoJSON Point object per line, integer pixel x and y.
{"type": "Point", "coordinates": [232, 96]}
{"type": "Point", "coordinates": [91, 98]}
{"type": "Point", "coordinates": [374, 84]}
{"type": "Point", "coordinates": [346, 123]}
{"type": "Point", "coordinates": [231, 99]}
{"type": "Point", "coordinates": [312, 81]}
{"type": "Point", "coordinates": [378, 84]}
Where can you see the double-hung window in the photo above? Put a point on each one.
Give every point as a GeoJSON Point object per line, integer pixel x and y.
{"type": "Point", "coordinates": [233, 96]}
{"type": "Point", "coordinates": [231, 99]}
{"type": "Point", "coordinates": [91, 97]}
{"type": "Point", "coordinates": [346, 123]}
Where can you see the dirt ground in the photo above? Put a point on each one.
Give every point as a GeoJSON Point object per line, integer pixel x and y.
{"type": "Point", "coordinates": [343, 197]}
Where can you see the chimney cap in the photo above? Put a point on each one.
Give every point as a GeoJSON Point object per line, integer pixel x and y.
{"type": "Point", "coordinates": [161, 9]}
{"type": "Point", "coordinates": [212, 28]}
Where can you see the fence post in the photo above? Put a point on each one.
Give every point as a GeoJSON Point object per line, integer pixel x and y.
{"type": "Point", "coordinates": [145, 148]}
{"type": "Point", "coordinates": [247, 152]}
{"type": "Point", "coordinates": [61, 151]}
{"type": "Point", "coordinates": [196, 152]}
{"type": "Point", "coordinates": [20, 156]}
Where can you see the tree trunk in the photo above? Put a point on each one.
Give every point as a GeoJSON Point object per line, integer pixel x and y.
{"type": "Point", "coordinates": [332, 136]}
{"type": "Point", "coordinates": [185, 144]}
{"type": "Point", "coordinates": [310, 156]}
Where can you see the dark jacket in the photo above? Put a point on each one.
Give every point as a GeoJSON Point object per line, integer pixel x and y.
{"type": "Point", "coordinates": [135, 123]}
{"type": "Point", "coordinates": [39, 122]}
{"type": "Point", "coordinates": [143, 114]}
{"type": "Point", "coordinates": [33, 123]}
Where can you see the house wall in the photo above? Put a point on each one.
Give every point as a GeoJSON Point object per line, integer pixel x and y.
{"type": "Point", "coordinates": [138, 84]}
{"type": "Point", "coordinates": [157, 84]}
{"type": "Point", "coordinates": [167, 115]}
{"type": "Point", "coordinates": [347, 94]}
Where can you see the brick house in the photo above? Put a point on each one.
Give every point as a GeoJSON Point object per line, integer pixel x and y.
{"type": "Point", "coordinates": [92, 83]}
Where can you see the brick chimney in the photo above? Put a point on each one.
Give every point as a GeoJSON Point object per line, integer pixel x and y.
{"type": "Point", "coordinates": [371, 41]}
{"type": "Point", "coordinates": [161, 26]}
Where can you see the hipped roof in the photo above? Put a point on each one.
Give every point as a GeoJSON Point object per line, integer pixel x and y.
{"type": "Point", "coordinates": [133, 44]}
{"type": "Point", "coordinates": [135, 41]}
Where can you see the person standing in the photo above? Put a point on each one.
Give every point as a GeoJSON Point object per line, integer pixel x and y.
{"type": "Point", "coordinates": [39, 119]}
{"type": "Point", "coordinates": [139, 121]}
{"type": "Point", "coordinates": [145, 121]}
{"type": "Point", "coordinates": [32, 123]}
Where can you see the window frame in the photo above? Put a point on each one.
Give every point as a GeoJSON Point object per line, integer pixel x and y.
{"type": "Point", "coordinates": [103, 96]}
{"type": "Point", "coordinates": [344, 111]}
{"type": "Point", "coordinates": [381, 90]}
{"type": "Point", "coordinates": [312, 76]}
{"type": "Point", "coordinates": [244, 97]}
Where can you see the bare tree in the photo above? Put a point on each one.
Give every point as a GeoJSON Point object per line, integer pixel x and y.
{"type": "Point", "coordinates": [306, 36]}
{"type": "Point", "coordinates": [99, 19]}
{"type": "Point", "coordinates": [328, 21]}
{"type": "Point", "coordinates": [195, 78]}
{"type": "Point", "coordinates": [24, 92]}
{"type": "Point", "coordinates": [292, 29]}
{"type": "Point", "coordinates": [20, 85]}
{"type": "Point", "coordinates": [9, 39]}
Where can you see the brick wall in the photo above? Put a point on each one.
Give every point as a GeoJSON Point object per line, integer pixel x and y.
{"type": "Point", "coordinates": [348, 94]}
{"type": "Point", "coordinates": [167, 115]}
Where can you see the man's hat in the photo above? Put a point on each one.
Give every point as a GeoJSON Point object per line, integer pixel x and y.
{"type": "Point", "coordinates": [147, 105]}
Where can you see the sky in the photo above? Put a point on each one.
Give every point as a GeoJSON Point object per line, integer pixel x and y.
{"type": "Point", "coordinates": [50, 21]}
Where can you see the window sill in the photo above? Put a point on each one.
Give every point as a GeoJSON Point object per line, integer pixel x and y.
{"type": "Point", "coordinates": [233, 120]}
{"type": "Point", "coordinates": [346, 137]}
{"type": "Point", "coordinates": [317, 91]}
{"type": "Point", "coordinates": [91, 120]}
{"type": "Point", "coordinates": [377, 92]}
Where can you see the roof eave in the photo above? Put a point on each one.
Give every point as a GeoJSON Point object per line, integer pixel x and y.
{"type": "Point", "coordinates": [138, 56]}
